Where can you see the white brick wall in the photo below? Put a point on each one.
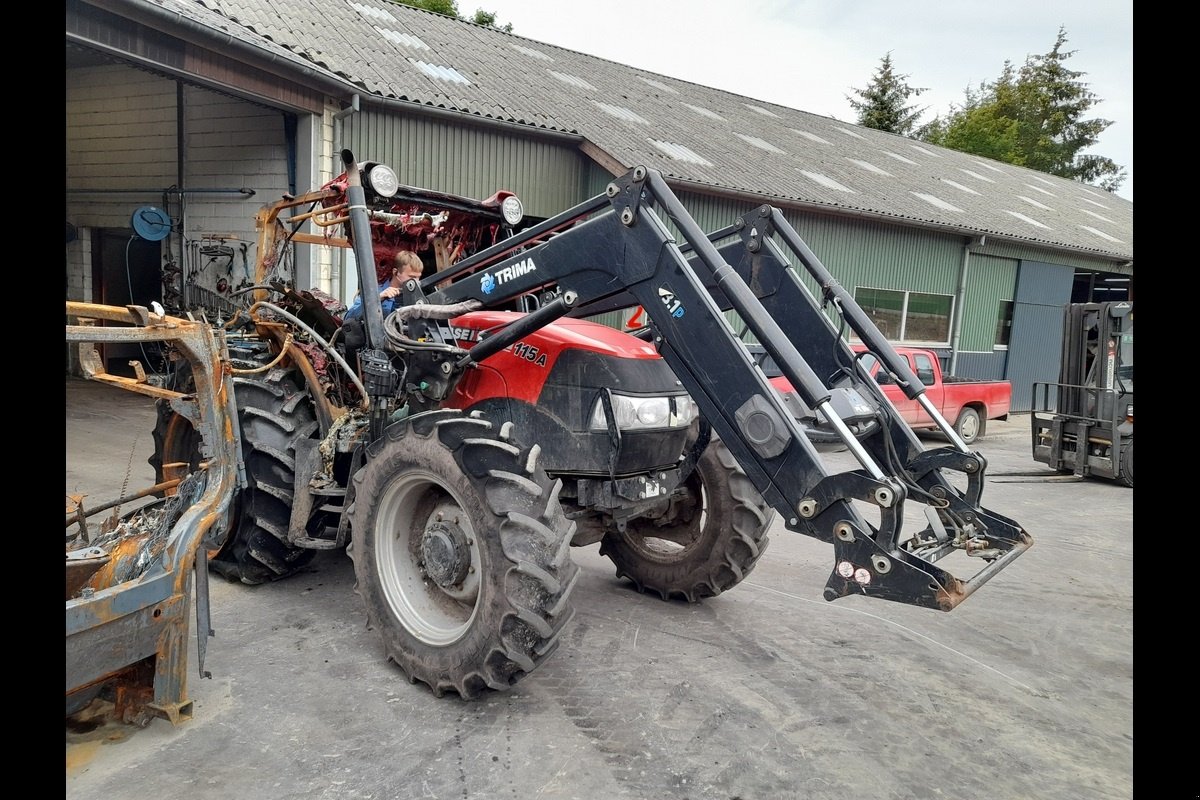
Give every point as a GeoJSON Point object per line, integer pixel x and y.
{"type": "Point", "coordinates": [79, 283]}
{"type": "Point", "coordinates": [120, 130]}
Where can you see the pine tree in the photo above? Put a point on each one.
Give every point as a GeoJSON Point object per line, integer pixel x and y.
{"type": "Point", "coordinates": [882, 104]}
{"type": "Point", "coordinates": [1032, 117]}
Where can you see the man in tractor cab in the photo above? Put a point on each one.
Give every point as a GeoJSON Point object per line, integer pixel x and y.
{"type": "Point", "coordinates": [406, 265]}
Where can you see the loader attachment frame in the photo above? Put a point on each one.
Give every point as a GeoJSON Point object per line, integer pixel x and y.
{"type": "Point", "coordinates": [126, 623]}
{"type": "Point", "coordinates": [617, 246]}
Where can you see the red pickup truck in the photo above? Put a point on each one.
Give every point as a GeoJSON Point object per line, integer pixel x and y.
{"type": "Point", "coordinates": [968, 403]}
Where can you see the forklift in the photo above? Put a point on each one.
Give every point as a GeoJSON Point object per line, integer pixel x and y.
{"type": "Point", "coordinates": [1084, 423]}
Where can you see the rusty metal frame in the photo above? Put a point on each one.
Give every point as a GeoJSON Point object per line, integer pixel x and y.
{"type": "Point", "coordinates": [113, 632]}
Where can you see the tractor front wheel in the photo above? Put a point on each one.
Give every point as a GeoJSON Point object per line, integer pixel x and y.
{"type": "Point", "coordinates": [461, 552]}
{"type": "Point", "coordinates": [712, 535]}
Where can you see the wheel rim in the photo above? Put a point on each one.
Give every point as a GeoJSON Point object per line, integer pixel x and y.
{"type": "Point", "coordinates": [433, 614]}
{"type": "Point", "coordinates": [970, 427]}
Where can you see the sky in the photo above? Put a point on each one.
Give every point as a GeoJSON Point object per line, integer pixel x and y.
{"type": "Point", "coordinates": [811, 54]}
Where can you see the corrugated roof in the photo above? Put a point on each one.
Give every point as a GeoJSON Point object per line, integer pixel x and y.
{"type": "Point", "coordinates": [689, 132]}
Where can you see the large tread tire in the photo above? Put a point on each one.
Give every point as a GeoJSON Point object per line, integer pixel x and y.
{"type": "Point", "coordinates": [503, 619]}
{"type": "Point", "coordinates": [705, 549]}
{"type": "Point", "coordinates": [275, 412]}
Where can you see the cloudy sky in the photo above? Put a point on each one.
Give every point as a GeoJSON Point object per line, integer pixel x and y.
{"type": "Point", "coordinates": [810, 54]}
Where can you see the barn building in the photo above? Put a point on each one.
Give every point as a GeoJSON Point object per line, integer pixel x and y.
{"type": "Point", "coordinates": [184, 117]}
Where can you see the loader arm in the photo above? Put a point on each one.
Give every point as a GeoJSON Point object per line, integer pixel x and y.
{"type": "Point", "coordinates": [617, 244]}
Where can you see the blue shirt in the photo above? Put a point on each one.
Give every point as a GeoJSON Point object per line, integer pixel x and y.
{"type": "Point", "coordinates": [356, 309]}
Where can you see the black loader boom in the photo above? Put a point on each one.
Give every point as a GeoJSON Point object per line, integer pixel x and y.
{"type": "Point", "coordinates": [616, 247]}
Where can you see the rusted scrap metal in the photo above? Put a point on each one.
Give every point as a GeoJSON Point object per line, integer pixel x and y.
{"type": "Point", "coordinates": [81, 566]}
{"type": "Point", "coordinates": [77, 514]}
{"type": "Point", "coordinates": [131, 547]}
{"type": "Point", "coordinates": [127, 625]}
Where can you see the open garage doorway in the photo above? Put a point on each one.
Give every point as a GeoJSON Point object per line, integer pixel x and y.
{"type": "Point", "coordinates": [127, 269]}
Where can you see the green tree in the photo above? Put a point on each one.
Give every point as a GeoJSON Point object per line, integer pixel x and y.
{"type": "Point", "coordinates": [1033, 117]}
{"type": "Point", "coordinates": [449, 8]}
{"type": "Point", "coordinates": [882, 104]}
{"type": "Point", "coordinates": [488, 18]}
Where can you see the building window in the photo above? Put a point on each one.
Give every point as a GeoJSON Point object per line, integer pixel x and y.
{"type": "Point", "coordinates": [1004, 324]}
{"type": "Point", "coordinates": [913, 317]}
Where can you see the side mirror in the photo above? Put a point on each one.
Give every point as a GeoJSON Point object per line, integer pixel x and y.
{"type": "Point", "coordinates": [925, 376]}
{"type": "Point", "coordinates": [883, 377]}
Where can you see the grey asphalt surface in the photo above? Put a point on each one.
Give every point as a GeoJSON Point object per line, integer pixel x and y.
{"type": "Point", "coordinates": [767, 691]}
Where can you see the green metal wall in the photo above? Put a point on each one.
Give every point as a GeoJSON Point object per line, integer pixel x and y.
{"type": "Point", "coordinates": [550, 177]}
{"type": "Point", "coordinates": [861, 253]}
{"type": "Point", "coordinates": [596, 180]}
{"type": "Point", "coordinates": [1023, 253]}
{"type": "Point", "coordinates": [470, 161]}
{"type": "Point", "coordinates": [990, 280]}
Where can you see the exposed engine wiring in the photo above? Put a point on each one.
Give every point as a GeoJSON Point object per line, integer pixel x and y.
{"type": "Point", "coordinates": [394, 329]}
{"type": "Point", "coordinates": [366, 400]}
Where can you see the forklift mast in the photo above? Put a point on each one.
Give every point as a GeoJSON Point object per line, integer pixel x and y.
{"type": "Point", "coordinates": [1097, 349]}
{"type": "Point", "coordinates": [1084, 423]}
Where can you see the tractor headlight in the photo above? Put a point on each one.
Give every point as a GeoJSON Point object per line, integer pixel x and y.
{"type": "Point", "coordinates": [644, 413]}
{"type": "Point", "coordinates": [1129, 413]}
{"type": "Point", "coordinates": [512, 209]}
{"type": "Point", "coordinates": [684, 411]}
{"type": "Point", "coordinates": [382, 180]}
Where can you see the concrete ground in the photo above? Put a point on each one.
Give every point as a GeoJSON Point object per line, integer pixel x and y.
{"type": "Point", "coordinates": [767, 691]}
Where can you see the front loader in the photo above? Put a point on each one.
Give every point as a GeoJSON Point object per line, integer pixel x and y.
{"type": "Point", "coordinates": [457, 503]}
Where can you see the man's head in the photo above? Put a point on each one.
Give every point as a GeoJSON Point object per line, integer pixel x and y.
{"type": "Point", "coordinates": [406, 265]}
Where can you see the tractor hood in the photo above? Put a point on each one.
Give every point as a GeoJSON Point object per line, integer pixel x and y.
{"type": "Point", "coordinates": [574, 334]}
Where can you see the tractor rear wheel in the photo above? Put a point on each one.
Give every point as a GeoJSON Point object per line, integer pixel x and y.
{"type": "Point", "coordinates": [461, 552]}
{"type": "Point", "coordinates": [274, 413]}
{"type": "Point", "coordinates": [709, 541]}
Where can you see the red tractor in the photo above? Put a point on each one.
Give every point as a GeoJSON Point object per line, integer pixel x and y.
{"type": "Point", "coordinates": [639, 471]}
{"type": "Point", "coordinates": [459, 446]}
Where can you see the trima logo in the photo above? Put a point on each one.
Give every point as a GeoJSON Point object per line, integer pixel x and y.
{"type": "Point", "coordinates": [674, 304]}
{"type": "Point", "coordinates": [490, 281]}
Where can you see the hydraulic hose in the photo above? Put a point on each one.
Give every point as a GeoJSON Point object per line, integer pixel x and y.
{"type": "Point", "coordinates": [366, 400]}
